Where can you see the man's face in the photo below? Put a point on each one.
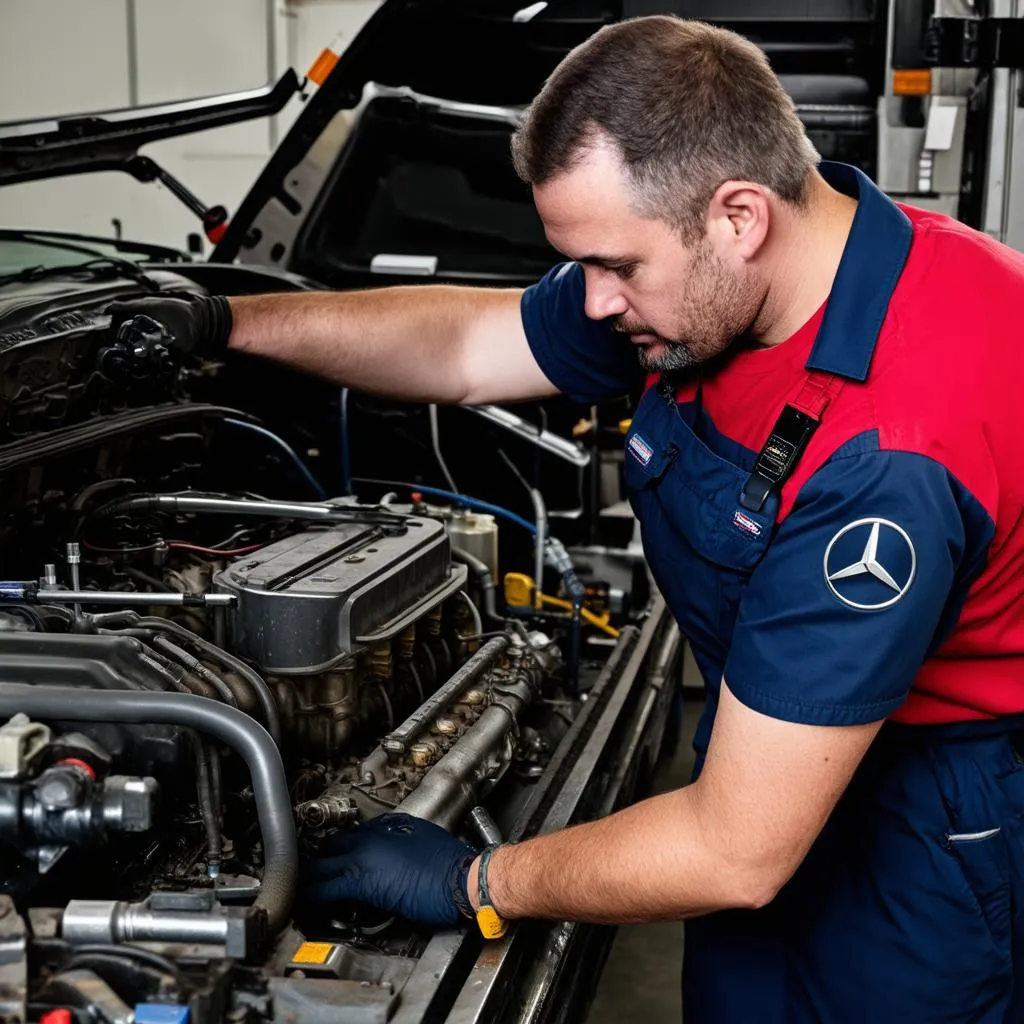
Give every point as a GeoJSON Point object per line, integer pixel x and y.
{"type": "Point", "coordinates": [679, 304]}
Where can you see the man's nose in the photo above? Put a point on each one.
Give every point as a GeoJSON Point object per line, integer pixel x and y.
{"type": "Point", "coordinates": [604, 296]}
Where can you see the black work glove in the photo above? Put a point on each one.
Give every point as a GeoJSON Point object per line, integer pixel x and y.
{"type": "Point", "coordinates": [189, 324]}
{"type": "Point", "coordinates": [397, 863]}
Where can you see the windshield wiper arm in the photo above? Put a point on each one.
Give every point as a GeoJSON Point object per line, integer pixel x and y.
{"type": "Point", "coordinates": [102, 266]}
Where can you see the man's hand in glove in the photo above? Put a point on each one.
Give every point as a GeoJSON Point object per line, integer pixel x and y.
{"type": "Point", "coordinates": [397, 863]}
{"type": "Point", "coordinates": [194, 323]}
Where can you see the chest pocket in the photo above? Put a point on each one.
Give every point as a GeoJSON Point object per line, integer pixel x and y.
{"type": "Point", "coordinates": [703, 545]}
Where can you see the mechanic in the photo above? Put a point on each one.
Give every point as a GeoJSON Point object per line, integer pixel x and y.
{"type": "Point", "coordinates": [828, 468]}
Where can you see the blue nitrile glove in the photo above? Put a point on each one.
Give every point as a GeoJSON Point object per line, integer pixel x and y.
{"type": "Point", "coordinates": [397, 863]}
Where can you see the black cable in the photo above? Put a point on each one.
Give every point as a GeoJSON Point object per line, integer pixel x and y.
{"type": "Point", "coordinates": [142, 956]}
{"type": "Point", "coordinates": [515, 470]}
{"type": "Point", "coordinates": [197, 668]}
{"type": "Point", "coordinates": [159, 665]}
{"type": "Point", "coordinates": [229, 725]}
{"type": "Point", "coordinates": [263, 694]}
{"type": "Point", "coordinates": [216, 786]}
{"type": "Point", "coordinates": [207, 810]}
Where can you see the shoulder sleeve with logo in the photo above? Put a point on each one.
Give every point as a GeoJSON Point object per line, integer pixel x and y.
{"type": "Point", "coordinates": [867, 576]}
{"type": "Point", "coordinates": [585, 359]}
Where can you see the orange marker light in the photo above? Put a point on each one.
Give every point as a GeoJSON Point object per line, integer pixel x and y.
{"type": "Point", "coordinates": [915, 82]}
{"type": "Point", "coordinates": [322, 66]}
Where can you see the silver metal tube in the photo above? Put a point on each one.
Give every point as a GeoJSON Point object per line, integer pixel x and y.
{"type": "Point", "coordinates": [306, 510]}
{"type": "Point", "coordinates": [474, 612]}
{"type": "Point", "coordinates": [541, 517]}
{"type": "Point", "coordinates": [145, 600]}
{"type": "Point", "coordinates": [435, 438]}
{"type": "Point", "coordinates": [485, 825]}
{"type": "Point", "coordinates": [398, 740]}
{"type": "Point", "coordinates": [111, 922]}
{"type": "Point", "coordinates": [74, 554]}
{"type": "Point", "coordinates": [326, 511]}
{"type": "Point", "coordinates": [453, 785]}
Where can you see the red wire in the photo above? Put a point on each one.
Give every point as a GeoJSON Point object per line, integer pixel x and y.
{"type": "Point", "coordinates": [214, 551]}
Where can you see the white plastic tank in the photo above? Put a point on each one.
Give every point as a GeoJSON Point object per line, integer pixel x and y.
{"type": "Point", "coordinates": [476, 533]}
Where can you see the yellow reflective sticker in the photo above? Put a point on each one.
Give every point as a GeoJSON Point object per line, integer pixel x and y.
{"type": "Point", "coordinates": [313, 953]}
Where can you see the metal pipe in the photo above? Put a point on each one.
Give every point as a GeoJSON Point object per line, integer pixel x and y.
{"type": "Point", "coordinates": [74, 554]}
{"type": "Point", "coordinates": [474, 613]}
{"type": "Point", "coordinates": [541, 517]}
{"type": "Point", "coordinates": [31, 593]}
{"type": "Point", "coordinates": [110, 921]}
{"type": "Point", "coordinates": [229, 725]}
{"type": "Point", "coordinates": [245, 506]}
{"type": "Point", "coordinates": [485, 825]}
{"type": "Point", "coordinates": [435, 440]}
{"type": "Point", "coordinates": [452, 786]}
{"type": "Point", "coordinates": [398, 740]}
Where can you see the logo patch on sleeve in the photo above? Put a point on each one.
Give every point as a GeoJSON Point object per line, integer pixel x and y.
{"type": "Point", "coordinates": [870, 564]}
{"type": "Point", "coordinates": [641, 450]}
{"type": "Point", "coordinates": [745, 523]}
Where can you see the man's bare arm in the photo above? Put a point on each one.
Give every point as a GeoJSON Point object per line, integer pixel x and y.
{"type": "Point", "coordinates": [450, 344]}
{"type": "Point", "coordinates": [731, 839]}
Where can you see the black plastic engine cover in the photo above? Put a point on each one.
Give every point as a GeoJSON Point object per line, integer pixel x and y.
{"type": "Point", "coordinates": [99, 662]}
{"type": "Point", "coordinates": [310, 599]}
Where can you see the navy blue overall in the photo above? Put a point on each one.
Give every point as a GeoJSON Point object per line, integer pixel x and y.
{"type": "Point", "coordinates": [910, 905]}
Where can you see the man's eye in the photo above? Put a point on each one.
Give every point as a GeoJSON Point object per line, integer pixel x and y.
{"type": "Point", "coordinates": [626, 270]}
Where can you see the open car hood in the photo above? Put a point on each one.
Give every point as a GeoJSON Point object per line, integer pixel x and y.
{"type": "Point", "coordinates": [398, 163]}
{"type": "Point", "coordinates": [398, 167]}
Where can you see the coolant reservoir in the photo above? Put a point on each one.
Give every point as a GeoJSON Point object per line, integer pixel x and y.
{"type": "Point", "coordinates": [477, 534]}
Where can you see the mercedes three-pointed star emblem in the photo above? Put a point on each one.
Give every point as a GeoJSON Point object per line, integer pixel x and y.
{"type": "Point", "coordinates": [869, 564]}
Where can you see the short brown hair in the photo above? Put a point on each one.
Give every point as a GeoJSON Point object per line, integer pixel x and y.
{"type": "Point", "coordinates": [688, 107]}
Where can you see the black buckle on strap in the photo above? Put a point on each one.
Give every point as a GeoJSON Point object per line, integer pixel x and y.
{"type": "Point", "coordinates": [781, 452]}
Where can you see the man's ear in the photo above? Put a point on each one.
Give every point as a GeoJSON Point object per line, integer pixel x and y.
{"type": "Point", "coordinates": [737, 221]}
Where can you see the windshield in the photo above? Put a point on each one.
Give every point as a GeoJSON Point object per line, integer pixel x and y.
{"type": "Point", "coordinates": [23, 249]}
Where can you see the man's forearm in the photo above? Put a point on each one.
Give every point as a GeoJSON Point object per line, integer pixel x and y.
{"type": "Point", "coordinates": [653, 861]}
{"type": "Point", "coordinates": [403, 342]}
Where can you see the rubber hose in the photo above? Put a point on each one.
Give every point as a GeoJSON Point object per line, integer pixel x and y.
{"type": "Point", "coordinates": [479, 568]}
{"type": "Point", "coordinates": [267, 703]}
{"type": "Point", "coordinates": [458, 499]}
{"type": "Point", "coordinates": [169, 678]}
{"type": "Point", "coordinates": [117, 961]}
{"type": "Point", "coordinates": [139, 955]}
{"type": "Point", "coordinates": [207, 809]}
{"type": "Point", "coordinates": [230, 726]}
{"type": "Point", "coordinates": [197, 668]}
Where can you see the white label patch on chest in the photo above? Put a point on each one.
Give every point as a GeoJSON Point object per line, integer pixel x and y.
{"type": "Point", "coordinates": [744, 522]}
{"type": "Point", "coordinates": [641, 450]}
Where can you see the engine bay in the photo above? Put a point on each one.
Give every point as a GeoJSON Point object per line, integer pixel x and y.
{"type": "Point", "coordinates": [203, 673]}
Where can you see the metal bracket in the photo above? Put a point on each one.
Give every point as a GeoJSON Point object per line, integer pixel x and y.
{"type": "Point", "coordinates": [974, 43]}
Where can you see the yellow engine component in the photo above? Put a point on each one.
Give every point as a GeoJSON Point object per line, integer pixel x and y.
{"type": "Point", "coordinates": [520, 590]}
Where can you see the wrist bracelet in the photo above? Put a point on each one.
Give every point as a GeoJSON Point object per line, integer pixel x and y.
{"type": "Point", "coordinates": [492, 925]}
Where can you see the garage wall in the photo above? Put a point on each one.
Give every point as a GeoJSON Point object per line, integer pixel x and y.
{"type": "Point", "coordinates": [74, 56]}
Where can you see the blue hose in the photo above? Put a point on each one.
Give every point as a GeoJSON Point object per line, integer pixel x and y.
{"type": "Point", "coordinates": [287, 449]}
{"type": "Point", "coordinates": [458, 499]}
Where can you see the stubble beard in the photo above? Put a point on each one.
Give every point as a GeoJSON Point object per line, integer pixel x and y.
{"type": "Point", "coordinates": [718, 309]}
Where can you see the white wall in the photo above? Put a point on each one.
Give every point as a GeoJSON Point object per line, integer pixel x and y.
{"type": "Point", "coordinates": [76, 56]}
